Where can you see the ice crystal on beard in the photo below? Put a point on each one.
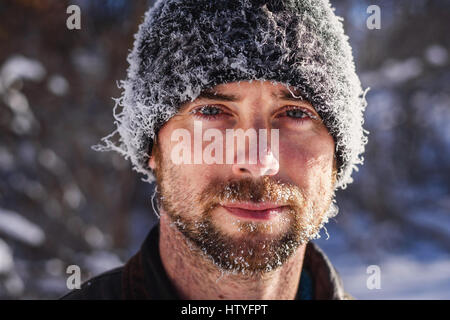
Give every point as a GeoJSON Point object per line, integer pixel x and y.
{"type": "Point", "coordinates": [222, 273]}
{"type": "Point", "coordinates": [152, 201]}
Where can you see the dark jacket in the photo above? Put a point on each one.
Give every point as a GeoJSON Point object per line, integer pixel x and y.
{"type": "Point", "coordinates": [144, 277]}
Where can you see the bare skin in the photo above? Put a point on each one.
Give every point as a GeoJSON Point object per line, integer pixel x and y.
{"type": "Point", "coordinates": [304, 167]}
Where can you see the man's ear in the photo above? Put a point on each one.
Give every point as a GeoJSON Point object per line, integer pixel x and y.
{"type": "Point", "coordinates": [153, 150]}
{"type": "Point", "coordinates": [334, 171]}
{"type": "Point", "coordinates": [151, 163]}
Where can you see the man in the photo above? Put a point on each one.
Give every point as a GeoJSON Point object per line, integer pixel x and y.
{"type": "Point", "coordinates": [211, 84]}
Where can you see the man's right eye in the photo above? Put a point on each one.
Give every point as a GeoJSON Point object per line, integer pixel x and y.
{"type": "Point", "coordinates": [210, 112]}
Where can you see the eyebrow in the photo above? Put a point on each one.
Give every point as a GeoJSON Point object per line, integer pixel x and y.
{"type": "Point", "coordinates": [287, 95]}
{"type": "Point", "coordinates": [214, 95]}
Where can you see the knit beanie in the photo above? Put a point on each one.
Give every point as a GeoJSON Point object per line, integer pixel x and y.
{"type": "Point", "coordinates": [186, 46]}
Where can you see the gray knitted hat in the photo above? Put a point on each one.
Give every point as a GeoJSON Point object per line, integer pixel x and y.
{"type": "Point", "coordinates": [186, 46]}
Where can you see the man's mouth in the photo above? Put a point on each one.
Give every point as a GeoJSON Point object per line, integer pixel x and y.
{"type": "Point", "coordinates": [254, 211]}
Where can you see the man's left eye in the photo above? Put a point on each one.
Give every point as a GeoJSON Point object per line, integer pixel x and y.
{"type": "Point", "coordinates": [298, 113]}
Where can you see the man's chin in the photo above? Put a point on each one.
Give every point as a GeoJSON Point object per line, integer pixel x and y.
{"type": "Point", "coordinates": [251, 256]}
{"type": "Point", "coordinates": [245, 254]}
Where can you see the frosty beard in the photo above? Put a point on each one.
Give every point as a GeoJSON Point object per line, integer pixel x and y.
{"type": "Point", "coordinates": [255, 250]}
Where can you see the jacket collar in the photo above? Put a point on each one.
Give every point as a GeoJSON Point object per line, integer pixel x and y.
{"type": "Point", "coordinates": [326, 280]}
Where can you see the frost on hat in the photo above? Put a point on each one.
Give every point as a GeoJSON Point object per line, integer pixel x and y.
{"type": "Point", "coordinates": [186, 46]}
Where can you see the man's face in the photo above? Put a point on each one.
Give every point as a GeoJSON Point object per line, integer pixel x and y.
{"type": "Point", "coordinates": [247, 217]}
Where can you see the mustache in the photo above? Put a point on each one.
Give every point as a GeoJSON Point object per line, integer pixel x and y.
{"type": "Point", "coordinates": [265, 189]}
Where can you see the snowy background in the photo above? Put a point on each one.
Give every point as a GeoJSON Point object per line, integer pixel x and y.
{"type": "Point", "coordinates": [62, 203]}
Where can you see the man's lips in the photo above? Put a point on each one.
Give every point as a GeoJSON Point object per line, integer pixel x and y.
{"type": "Point", "coordinates": [256, 211]}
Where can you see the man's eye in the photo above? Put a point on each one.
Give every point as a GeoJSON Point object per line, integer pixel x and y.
{"type": "Point", "coordinates": [298, 114]}
{"type": "Point", "coordinates": [208, 112]}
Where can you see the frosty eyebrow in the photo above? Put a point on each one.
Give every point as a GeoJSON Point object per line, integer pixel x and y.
{"type": "Point", "coordinates": [214, 95]}
{"type": "Point", "coordinates": [211, 94]}
{"type": "Point", "coordinates": [286, 95]}
{"type": "Point", "coordinates": [296, 97]}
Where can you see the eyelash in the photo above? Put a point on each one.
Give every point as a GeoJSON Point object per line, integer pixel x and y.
{"type": "Point", "coordinates": [306, 112]}
{"type": "Point", "coordinates": [196, 112]}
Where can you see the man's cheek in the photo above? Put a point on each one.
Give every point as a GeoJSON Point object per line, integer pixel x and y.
{"type": "Point", "coordinates": [322, 193]}
{"type": "Point", "coordinates": [295, 163]}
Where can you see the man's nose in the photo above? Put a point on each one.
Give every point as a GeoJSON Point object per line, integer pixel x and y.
{"type": "Point", "coordinates": [266, 163]}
